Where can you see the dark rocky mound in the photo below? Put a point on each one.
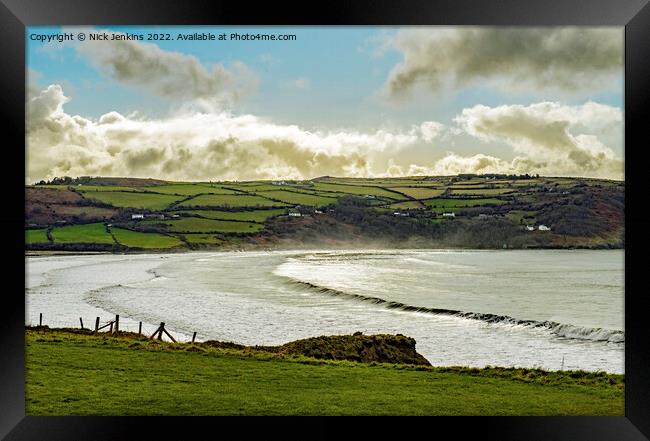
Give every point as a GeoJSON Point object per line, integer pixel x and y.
{"type": "Point", "coordinates": [382, 348]}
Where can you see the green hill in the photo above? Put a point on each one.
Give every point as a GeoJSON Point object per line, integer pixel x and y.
{"type": "Point", "coordinates": [466, 211]}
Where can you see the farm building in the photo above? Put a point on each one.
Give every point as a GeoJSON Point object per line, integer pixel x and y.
{"type": "Point", "coordinates": [294, 214]}
{"type": "Point", "coordinates": [448, 214]}
{"type": "Point", "coordinates": [137, 216]}
{"type": "Point", "coordinates": [543, 228]}
{"type": "Point", "coordinates": [530, 228]}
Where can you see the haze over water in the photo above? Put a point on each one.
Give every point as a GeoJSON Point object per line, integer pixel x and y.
{"type": "Point", "coordinates": [541, 308]}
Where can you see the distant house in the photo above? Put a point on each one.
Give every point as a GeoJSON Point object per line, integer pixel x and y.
{"type": "Point", "coordinates": [530, 228]}
{"type": "Point", "coordinates": [295, 214]}
{"type": "Point", "coordinates": [448, 214]}
{"type": "Point", "coordinates": [543, 228]}
{"type": "Point", "coordinates": [137, 216]}
{"type": "Point", "coordinates": [318, 212]}
{"type": "Point", "coordinates": [370, 196]}
{"type": "Point", "coordinates": [398, 213]}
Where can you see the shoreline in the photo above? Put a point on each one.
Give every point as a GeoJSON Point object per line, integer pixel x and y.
{"type": "Point", "coordinates": [45, 253]}
{"type": "Point", "coordinates": [382, 316]}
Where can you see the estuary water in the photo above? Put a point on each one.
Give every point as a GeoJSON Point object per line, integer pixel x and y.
{"type": "Point", "coordinates": [553, 309]}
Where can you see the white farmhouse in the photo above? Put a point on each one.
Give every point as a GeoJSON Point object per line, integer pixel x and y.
{"type": "Point", "coordinates": [543, 228]}
{"type": "Point", "coordinates": [137, 216]}
{"type": "Point", "coordinates": [294, 214]}
{"type": "Point", "coordinates": [448, 214]}
{"type": "Point", "coordinates": [530, 228]}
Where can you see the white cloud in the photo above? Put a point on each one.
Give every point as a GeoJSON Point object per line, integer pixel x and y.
{"type": "Point", "coordinates": [431, 130]}
{"type": "Point", "coordinates": [217, 145]}
{"type": "Point", "coordinates": [193, 145]}
{"type": "Point", "coordinates": [545, 132]}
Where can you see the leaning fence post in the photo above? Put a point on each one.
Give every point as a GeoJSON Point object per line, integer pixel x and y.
{"type": "Point", "coordinates": [97, 324]}
{"type": "Point", "coordinates": [140, 328]}
{"type": "Point", "coordinates": [82, 322]}
{"type": "Point", "coordinates": [40, 319]}
{"type": "Point", "coordinates": [193, 336]}
{"type": "Point", "coordinates": [168, 334]}
{"type": "Point", "coordinates": [117, 323]}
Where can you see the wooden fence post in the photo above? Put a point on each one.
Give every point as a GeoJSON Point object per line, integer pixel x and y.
{"type": "Point", "coordinates": [117, 323]}
{"type": "Point", "coordinates": [82, 322]}
{"type": "Point", "coordinates": [97, 324]}
{"type": "Point", "coordinates": [162, 327]}
{"type": "Point", "coordinates": [111, 328]}
{"type": "Point", "coordinates": [167, 334]}
{"type": "Point", "coordinates": [157, 331]}
{"type": "Point", "coordinates": [140, 328]}
{"type": "Point", "coordinates": [193, 336]}
{"type": "Point", "coordinates": [40, 319]}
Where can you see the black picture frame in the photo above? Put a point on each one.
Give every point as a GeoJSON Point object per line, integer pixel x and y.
{"type": "Point", "coordinates": [15, 15]}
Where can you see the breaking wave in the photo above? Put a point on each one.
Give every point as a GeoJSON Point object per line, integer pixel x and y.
{"type": "Point", "coordinates": [559, 329]}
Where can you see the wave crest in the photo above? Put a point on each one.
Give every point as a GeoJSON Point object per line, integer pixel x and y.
{"type": "Point", "coordinates": [559, 329]}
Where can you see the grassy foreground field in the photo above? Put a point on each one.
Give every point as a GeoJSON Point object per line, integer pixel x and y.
{"type": "Point", "coordinates": [75, 374]}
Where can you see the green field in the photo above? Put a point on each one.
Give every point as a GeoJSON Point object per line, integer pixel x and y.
{"type": "Point", "coordinates": [406, 205]}
{"type": "Point", "coordinates": [357, 190]}
{"type": "Point", "coordinates": [419, 192]}
{"type": "Point", "coordinates": [387, 182]}
{"type": "Point", "coordinates": [189, 189]}
{"type": "Point", "coordinates": [200, 225]}
{"type": "Point", "coordinates": [446, 210]}
{"type": "Point", "coordinates": [253, 216]}
{"type": "Point", "coordinates": [136, 200]}
{"type": "Point", "coordinates": [446, 203]}
{"type": "Point", "coordinates": [215, 200]}
{"type": "Point", "coordinates": [69, 374]}
{"type": "Point", "coordinates": [263, 187]}
{"type": "Point", "coordinates": [291, 197]}
{"type": "Point", "coordinates": [36, 236]}
{"type": "Point", "coordinates": [86, 233]}
{"type": "Point", "coordinates": [87, 188]}
{"type": "Point", "coordinates": [517, 216]}
{"type": "Point", "coordinates": [482, 191]}
{"type": "Point", "coordinates": [135, 239]}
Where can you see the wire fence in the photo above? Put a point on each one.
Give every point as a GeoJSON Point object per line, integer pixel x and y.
{"type": "Point", "coordinates": [114, 326]}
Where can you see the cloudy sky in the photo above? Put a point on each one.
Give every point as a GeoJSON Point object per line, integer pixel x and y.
{"type": "Point", "coordinates": [339, 101]}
